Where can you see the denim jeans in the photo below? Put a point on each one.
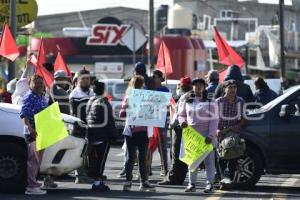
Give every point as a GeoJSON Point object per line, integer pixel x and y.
{"type": "Point", "coordinates": [210, 170]}
{"type": "Point", "coordinates": [138, 140]}
{"type": "Point", "coordinates": [163, 148]}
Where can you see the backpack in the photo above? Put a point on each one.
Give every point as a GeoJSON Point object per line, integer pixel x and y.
{"type": "Point", "coordinates": [232, 146]}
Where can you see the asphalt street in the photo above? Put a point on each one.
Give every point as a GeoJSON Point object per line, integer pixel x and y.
{"type": "Point", "coordinates": [269, 187]}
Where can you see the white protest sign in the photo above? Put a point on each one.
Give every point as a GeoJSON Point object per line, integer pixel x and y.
{"type": "Point", "coordinates": [147, 108]}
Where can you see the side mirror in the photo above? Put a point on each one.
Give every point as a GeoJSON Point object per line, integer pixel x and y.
{"type": "Point", "coordinates": [283, 110]}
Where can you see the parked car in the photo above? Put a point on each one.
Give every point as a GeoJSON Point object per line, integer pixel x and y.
{"type": "Point", "coordinates": [60, 158]}
{"type": "Point", "coordinates": [272, 141]}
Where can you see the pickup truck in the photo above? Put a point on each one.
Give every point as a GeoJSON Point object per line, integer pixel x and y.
{"type": "Point", "coordinates": [272, 136]}
{"type": "Point", "coordinates": [61, 158]}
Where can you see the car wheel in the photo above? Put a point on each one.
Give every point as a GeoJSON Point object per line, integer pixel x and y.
{"type": "Point", "coordinates": [12, 167]}
{"type": "Point", "coordinates": [249, 169]}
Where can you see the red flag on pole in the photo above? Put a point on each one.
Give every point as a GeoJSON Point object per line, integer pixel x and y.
{"type": "Point", "coordinates": [164, 63]}
{"type": "Point", "coordinates": [40, 69]}
{"type": "Point", "coordinates": [154, 140]}
{"type": "Point", "coordinates": [227, 55]}
{"type": "Point", "coordinates": [60, 64]}
{"type": "Point", "coordinates": [41, 58]}
{"type": "Point", "coordinates": [8, 46]}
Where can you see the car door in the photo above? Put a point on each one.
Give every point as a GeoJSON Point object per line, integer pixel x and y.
{"type": "Point", "coordinates": [285, 134]}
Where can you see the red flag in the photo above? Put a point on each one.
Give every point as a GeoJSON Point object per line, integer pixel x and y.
{"type": "Point", "coordinates": [164, 63]}
{"type": "Point", "coordinates": [227, 56]}
{"type": "Point", "coordinates": [43, 72]}
{"type": "Point", "coordinates": [33, 60]}
{"type": "Point", "coordinates": [60, 64]}
{"type": "Point", "coordinates": [154, 140]}
{"type": "Point", "coordinates": [8, 46]}
{"type": "Point", "coordinates": [41, 58]}
{"type": "Point", "coordinates": [40, 69]}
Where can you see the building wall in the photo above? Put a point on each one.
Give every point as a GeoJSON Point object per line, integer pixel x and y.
{"type": "Point", "coordinates": [264, 12]}
{"type": "Point", "coordinates": [55, 23]}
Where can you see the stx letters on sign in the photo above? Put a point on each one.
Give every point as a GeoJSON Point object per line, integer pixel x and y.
{"type": "Point", "coordinates": [107, 34]}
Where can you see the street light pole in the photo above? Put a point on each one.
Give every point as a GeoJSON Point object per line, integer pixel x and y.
{"type": "Point", "coordinates": [12, 23]}
{"type": "Point", "coordinates": [281, 25]}
{"type": "Point", "coordinates": [151, 34]}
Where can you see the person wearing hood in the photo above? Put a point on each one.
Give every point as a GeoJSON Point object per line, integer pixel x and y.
{"type": "Point", "coordinates": [101, 132]}
{"type": "Point", "coordinates": [140, 69]}
{"type": "Point", "coordinates": [243, 90]}
{"type": "Point", "coordinates": [264, 94]}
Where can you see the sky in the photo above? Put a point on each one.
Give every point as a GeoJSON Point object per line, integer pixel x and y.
{"type": "Point", "coordinates": [46, 7]}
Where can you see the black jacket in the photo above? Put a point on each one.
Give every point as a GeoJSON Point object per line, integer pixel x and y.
{"type": "Point", "coordinates": [243, 90]}
{"type": "Point", "coordinates": [100, 120]}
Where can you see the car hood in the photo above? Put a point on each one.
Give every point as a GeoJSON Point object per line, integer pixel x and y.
{"type": "Point", "coordinates": [15, 109]}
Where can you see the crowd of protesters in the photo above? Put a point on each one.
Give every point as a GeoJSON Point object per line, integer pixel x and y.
{"type": "Point", "coordinates": [210, 107]}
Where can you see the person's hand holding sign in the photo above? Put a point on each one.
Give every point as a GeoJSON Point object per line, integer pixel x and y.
{"type": "Point", "coordinates": [184, 125]}
{"type": "Point", "coordinates": [207, 140]}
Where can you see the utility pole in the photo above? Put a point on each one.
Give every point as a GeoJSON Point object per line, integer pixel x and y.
{"type": "Point", "coordinates": [151, 34]}
{"type": "Point", "coordinates": [281, 25]}
{"type": "Point", "coordinates": [12, 23]}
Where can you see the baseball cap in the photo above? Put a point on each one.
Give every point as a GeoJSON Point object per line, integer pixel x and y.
{"type": "Point", "coordinates": [185, 80]}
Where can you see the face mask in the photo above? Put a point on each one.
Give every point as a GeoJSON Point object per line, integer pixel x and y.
{"type": "Point", "coordinates": [177, 92]}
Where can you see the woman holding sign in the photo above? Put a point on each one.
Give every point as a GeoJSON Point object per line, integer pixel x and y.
{"type": "Point", "coordinates": [136, 137]}
{"type": "Point", "coordinates": [202, 115]}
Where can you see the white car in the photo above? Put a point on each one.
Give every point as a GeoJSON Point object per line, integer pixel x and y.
{"type": "Point", "coordinates": [60, 158]}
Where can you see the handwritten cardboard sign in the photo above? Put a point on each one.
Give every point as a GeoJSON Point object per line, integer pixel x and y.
{"type": "Point", "coordinates": [147, 108]}
{"type": "Point", "coordinates": [193, 147]}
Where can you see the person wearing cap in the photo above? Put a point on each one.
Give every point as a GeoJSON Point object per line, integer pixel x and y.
{"type": "Point", "coordinates": [178, 170]}
{"type": "Point", "coordinates": [140, 69]}
{"type": "Point", "coordinates": [231, 109]}
{"type": "Point", "coordinates": [78, 99]}
{"type": "Point", "coordinates": [60, 91]}
{"type": "Point", "coordinates": [202, 114]}
{"type": "Point", "coordinates": [243, 90]}
{"type": "Point", "coordinates": [101, 131]}
{"type": "Point", "coordinates": [212, 79]}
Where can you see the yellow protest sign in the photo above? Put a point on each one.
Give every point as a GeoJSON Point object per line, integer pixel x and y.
{"type": "Point", "coordinates": [26, 12]}
{"type": "Point", "coordinates": [49, 126]}
{"type": "Point", "coordinates": [193, 146]}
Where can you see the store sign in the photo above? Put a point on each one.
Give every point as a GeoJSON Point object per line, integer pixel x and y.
{"type": "Point", "coordinates": [109, 67]}
{"type": "Point", "coordinates": [26, 12]}
{"type": "Point", "coordinates": [107, 34]}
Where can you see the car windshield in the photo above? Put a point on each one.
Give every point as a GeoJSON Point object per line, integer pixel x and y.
{"type": "Point", "coordinates": [276, 101]}
{"type": "Point", "coordinates": [117, 90]}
